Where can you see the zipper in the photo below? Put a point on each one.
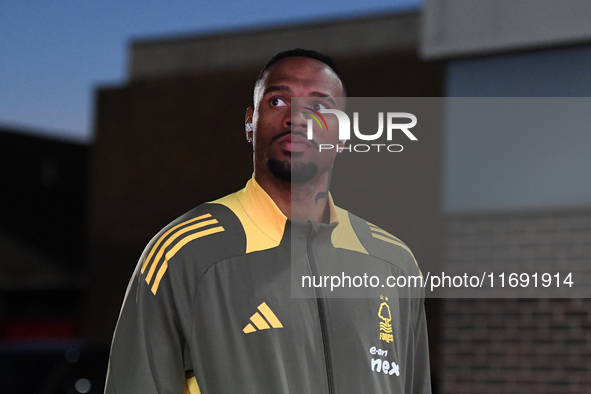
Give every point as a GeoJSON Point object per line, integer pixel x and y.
{"type": "Point", "coordinates": [321, 313]}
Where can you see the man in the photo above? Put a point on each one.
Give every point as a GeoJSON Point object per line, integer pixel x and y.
{"type": "Point", "coordinates": [210, 306]}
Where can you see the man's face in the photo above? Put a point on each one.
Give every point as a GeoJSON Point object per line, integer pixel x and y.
{"type": "Point", "coordinates": [281, 147]}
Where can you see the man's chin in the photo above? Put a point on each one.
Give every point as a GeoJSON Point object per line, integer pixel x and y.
{"type": "Point", "coordinates": [292, 172]}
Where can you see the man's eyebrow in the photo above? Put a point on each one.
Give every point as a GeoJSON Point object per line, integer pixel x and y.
{"type": "Point", "coordinates": [285, 88]}
{"type": "Point", "coordinates": [276, 88]}
{"type": "Point", "coordinates": [323, 95]}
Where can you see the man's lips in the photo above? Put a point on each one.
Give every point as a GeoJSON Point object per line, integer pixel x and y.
{"type": "Point", "coordinates": [294, 142]}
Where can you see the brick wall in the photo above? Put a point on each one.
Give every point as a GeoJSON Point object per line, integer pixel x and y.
{"type": "Point", "coordinates": [517, 345]}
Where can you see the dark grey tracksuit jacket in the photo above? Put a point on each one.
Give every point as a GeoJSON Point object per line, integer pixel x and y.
{"type": "Point", "coordinates": [230, 298]}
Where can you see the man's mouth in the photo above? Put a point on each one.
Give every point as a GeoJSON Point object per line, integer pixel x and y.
{"type": "Point", "coordinates": [294, 142]}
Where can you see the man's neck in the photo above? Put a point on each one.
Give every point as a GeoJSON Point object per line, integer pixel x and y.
{"type": "Point", "coordinates": [305, 201]}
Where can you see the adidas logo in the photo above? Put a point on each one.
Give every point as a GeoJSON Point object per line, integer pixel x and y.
{"type": "Point", "coordinates": [263, 320]}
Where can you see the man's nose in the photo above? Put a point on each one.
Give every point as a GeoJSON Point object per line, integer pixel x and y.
{"type": "Point", "coordinates": [296, 119]}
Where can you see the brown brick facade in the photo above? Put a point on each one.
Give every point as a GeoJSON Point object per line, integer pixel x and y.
{"type": "Point", "coordinates": [517, 345]}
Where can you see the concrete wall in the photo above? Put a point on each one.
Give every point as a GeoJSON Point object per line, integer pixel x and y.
{"type": "Point", "coordinates": [459, 28]}
{"type": "Point", "coordinates": [253, 48]}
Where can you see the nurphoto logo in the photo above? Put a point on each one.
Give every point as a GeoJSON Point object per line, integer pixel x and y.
{"type": "Point", "coordinates": [316, 119]}
{"type": "Point", "coordinates": [395, 123]}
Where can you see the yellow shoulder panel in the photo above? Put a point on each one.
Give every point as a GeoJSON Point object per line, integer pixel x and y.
{"type": "Point", "coordinates": [256, 238]}
{"type": "Point", "coordinates": [344, 236]}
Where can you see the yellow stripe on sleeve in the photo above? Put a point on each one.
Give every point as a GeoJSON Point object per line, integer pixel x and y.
{"type": "Point", "coordinates": [397, 243]}
{"type": "Point", "coordinates": [207, 215]}
{"type": "Point", "coordinates": [387, 234]}
{"type": "Point", "coordinates": [171, 240]}
{"type": "Point", "coordinates": [392, 241]}
{"type": "Point", "coordinates": [192, 237]}
{"type": "Point", "coordinates": [170, 254]}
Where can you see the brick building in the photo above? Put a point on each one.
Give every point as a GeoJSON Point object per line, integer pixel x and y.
{"type": "Point", "coordinates": [515, 198]}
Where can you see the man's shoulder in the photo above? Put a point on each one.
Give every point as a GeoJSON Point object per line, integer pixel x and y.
{"type": "Point", "coordinates": [189, 245]}
{"type": "Point", "coordinates": [382, 244]}
{"type": "Point", "coordinates": [207, 233]}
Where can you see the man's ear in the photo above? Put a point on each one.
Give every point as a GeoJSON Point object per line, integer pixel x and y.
{"type": "Point", "coordinates": [248, 128]}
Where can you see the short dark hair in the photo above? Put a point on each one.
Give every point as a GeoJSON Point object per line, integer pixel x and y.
{"type": "Point", "coordinates": [300, 52]}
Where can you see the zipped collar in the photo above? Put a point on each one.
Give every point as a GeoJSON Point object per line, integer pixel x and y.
{"type": "Point", "coordinates": [264, 223]}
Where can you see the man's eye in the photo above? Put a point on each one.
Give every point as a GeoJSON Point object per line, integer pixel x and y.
{"type": "Point", "coordinates": [318, 106]}
{"type": "Point", "coordinates": [277, 102]}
